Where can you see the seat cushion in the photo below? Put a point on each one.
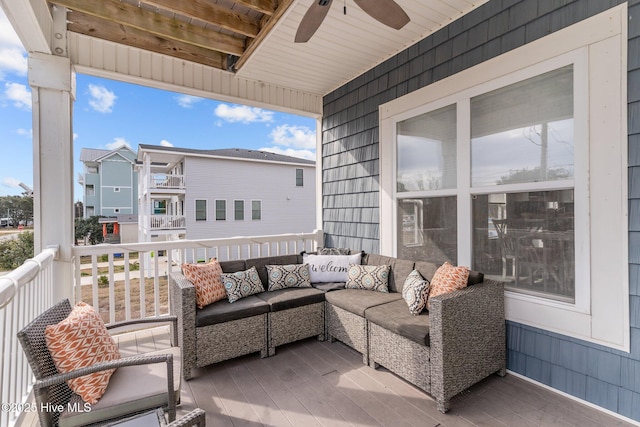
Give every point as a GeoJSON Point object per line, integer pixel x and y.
{"type": "Point", "coordinates": [329, 286]}
{"type": "Point", "coordinates": [224, 311]}
{"type": "Point", "coordinates": [395, 317]}
{"type": "Point", "coordinates": [131, 389]}
{"type": "Point", "coordinates": [284, 299]}
{"type": "Point", "coordinates": [356, 301]}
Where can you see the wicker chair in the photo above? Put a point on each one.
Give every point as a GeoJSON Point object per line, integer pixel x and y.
{"type": "Point", "coordinates": [140, 383]}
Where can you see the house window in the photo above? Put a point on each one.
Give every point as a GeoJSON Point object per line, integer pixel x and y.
{"type": "Point", "coordinates": [299, 177]}
{"type": "Point", "coordinates": [201, 210]}
{"type": "Point", "coordinates": [521, 139]}
{"type": "Point", "coordinates": [518, 168]}
{"type": "Point", "coordinates": [90, 190]}
{"type": "Point", "coordinates": [221, 210]}
{"type": "Point", "coordinates": [256, 210]}
{"type": "Point", "coordinates": [238, 209]}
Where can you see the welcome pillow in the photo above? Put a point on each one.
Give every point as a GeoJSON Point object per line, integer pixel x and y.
{"type": "Point", "coordinates": [330, 268]}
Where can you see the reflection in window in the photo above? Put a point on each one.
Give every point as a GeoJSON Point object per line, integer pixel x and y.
{"type": "Point", "coordinates": [526, 240]}
{"type": "Point", "coordinates": [524, 132]}
{"type": "Point", "coordinates": [428, 229]}
{"type": "Point", "coordinates": [427, 151]}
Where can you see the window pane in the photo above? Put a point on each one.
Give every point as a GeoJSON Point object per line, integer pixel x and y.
{"type": "Point", "coordinates": [427, 151]}
{"type": "Point", "coordinates": [201, 210]}
{"type": "Point", "coordinates": [299, 178]}
{"type": "Point", "coordinates": [524, 132]}
{"type": "Point", "coordinates": [427, 229]}
{"type": "Point", "coordinates": [526, 240]}
{"type": "Point", "coordinates": [256, 209]}
{"type": "Point", "coordinates": [239, 210]}
{"type": "Point", "coordinates": [221, 210]}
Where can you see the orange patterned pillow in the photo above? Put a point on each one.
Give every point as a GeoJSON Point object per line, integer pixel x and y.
{"type": "Point", "coordinates": [79, 341]}
{"type": "Point", "coordinates": [448, 278]}
{"type": "Point", "coordinates": [207, 279]}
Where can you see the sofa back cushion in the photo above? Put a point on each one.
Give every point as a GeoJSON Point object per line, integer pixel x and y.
{"type": "Point", "coordinates": [233, 266]}
{"type": "Point", "coordinates": [400, 269]}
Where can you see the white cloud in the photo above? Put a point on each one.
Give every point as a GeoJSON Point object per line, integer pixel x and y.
{"type": "Point", "coordinates": [102, 99]}
{"type": "Point", "coordinates": [18, 94]}
{"type": "Point", "coordinates": [11, 182]}
{"type": "Point", "coordinates": [187, 101]}
{"type": "Point", "coordinates": [302, 154]}
{"type": "Point", "coordinates": [300, 137]}
{"type": "Point", "coordinates": [243, 114]}
{"type": "Point", "coordinates": [165, 143]}
{"type": "Point", "coordinates": [117, 143]}
{"type": "Point", "coordinates": [13, 57]}
{"type": "Point", "coordinates": [25, 132]}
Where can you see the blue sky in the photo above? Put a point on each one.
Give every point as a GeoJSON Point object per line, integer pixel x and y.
{"type": "Point", "coordinates": [109, 113]}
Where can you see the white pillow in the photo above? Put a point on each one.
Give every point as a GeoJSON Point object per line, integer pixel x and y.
{"type": "Point", "coordinates": [330, 268]}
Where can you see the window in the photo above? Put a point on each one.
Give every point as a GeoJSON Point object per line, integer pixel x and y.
{"type": "Point", "coordinates": [238, 209]}
{"type": "Point", "coordinates": [518, 168]}
{"type": "Point", "coordinates": [221, 210]}
{"type": "Point", "coordinates": [201, 210]}
{"type": "Point", "coordinates": [521, 138]}
{"type": "Point", "coordinates": [299, 177]}
{"type": "Point", "coordinates": [90, 190]}
{"type": "Point", "coordinates": [256, 209]}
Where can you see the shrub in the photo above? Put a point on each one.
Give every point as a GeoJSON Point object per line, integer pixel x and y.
{"type": "Point", "coordinates": [14, 252]}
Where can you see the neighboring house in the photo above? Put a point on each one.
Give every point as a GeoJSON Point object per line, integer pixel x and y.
{"type": "Point", "coordinates": [109, 181]}
{"type": "Point", "coordinates": [199, 194]}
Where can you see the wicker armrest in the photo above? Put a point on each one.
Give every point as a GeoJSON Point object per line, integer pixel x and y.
{"type": "Point", "coordinates": [131, 324]}
{"type": "Point", "coordinates": [467, 336]}
{"type": "Point", "coordinates": [182, 295]}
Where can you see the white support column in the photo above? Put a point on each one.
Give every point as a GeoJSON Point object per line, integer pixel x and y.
{"type": "Point", "coordinates": [52, 82]}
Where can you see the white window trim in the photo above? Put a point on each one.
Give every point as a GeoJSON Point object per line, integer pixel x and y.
{"type": "Point", "coordinates": [601, 311]}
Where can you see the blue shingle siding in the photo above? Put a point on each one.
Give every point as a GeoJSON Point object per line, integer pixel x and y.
{"type": "Point", "coordinates": [598, 374]}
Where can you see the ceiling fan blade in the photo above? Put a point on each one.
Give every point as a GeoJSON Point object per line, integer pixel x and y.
{"type": "Point", "coordinates": [312, 20]}
{"type": "Point", "coordinates": [387, 12]}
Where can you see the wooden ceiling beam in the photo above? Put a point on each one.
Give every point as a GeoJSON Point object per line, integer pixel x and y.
{"type": "Point", "coordinates": [211, 13]}
{"type": "Point", "coordinates": [267, 7]}
{"type": "Point", "coordinates": [162, 26]}
{"type": "Point", "coordinates": [117, 33]}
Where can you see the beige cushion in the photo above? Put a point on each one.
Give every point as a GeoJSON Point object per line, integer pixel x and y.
{"type": "Point", "coordinates": [131, 389]}
{"type": "Point", "coordinates": [79, 341]}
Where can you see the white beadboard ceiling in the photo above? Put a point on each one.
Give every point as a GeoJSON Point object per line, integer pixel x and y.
{"type": "Point", "coordinates": [344, 46]}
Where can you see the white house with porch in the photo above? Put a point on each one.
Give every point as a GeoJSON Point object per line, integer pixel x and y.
{"type": "Point", "coordinates": [199, 194]}
{"type": "Point", "coordinates": [473, 122]}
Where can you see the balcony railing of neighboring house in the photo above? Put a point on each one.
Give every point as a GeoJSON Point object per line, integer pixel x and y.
{"type": "Point", "coordinates": [167, 181]}
{"type": "Point", "coordinates": [167, 222]}
{"type": "Point", "coordinates": [24, 293]}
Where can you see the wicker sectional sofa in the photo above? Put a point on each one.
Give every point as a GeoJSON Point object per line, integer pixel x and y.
{"type": "Point", "coordinates": [443, 351]}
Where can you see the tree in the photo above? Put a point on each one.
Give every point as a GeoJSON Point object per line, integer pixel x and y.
{"type": "Point", "coordinates": [17, 208]}
{"type": "Point", "coordinates": [14, 252]}
{"type": "Point", "coordinates": [89, 228]}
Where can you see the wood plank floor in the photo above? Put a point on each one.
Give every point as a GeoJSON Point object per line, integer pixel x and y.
{"type": "Point", "coordinates": [311, 383]}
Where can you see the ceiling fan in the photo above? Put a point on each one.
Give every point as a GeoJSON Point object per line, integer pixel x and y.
{"type": "Point", "coordinates": [387, 12]}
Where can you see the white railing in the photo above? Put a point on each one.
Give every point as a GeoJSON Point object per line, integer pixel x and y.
{"type": "Point", "coordinates": [24, 293]}
{"type": "Point", "coordinates": [167, 222]}
{"type": "Point", "coordinates": [167, 181]}
{"type": "Point", "coordinates": [130, 281]}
